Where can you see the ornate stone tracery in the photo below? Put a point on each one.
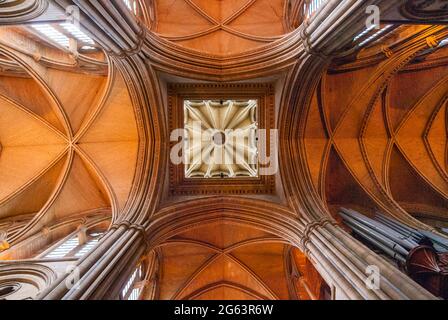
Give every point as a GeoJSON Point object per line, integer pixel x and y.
{"type": "Point", "coordinates": [217, 133]}
{"type": "Point", "coordinates": [18, 11]}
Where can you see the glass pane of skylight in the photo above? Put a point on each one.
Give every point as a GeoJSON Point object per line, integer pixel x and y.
{"type": "Point", "coordinates": [87, 248]}
{"type": "Point", "coordinates": [64, 248]}
{"type": "Point", "coordinates": [89, 245]}
{"type": "Point", "coordinates": [136, 276]}
{"type": "Point", "coordinates": [78, 34]}
{"type": "Point", "coordinates": [52, 34]}
{"type": "Point", "coordinates": [135, 294]}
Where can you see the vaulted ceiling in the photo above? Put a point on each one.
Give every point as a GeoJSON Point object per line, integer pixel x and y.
{"type": "Point", "coordinates": [377, 135]}
{"type": "Point", "coordinates": [233, 261]}
{"type": "Point", "coordinates": [69, 137]}
{"type": "Point", "coordinates": [220, 28]}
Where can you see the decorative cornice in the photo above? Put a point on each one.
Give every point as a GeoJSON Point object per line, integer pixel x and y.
{"type": "Point", "coordinates": [177, 93]}
{"type": "Point", "coordinates": [424, 10]}
{"type": "Point", "coordinates": [266, 60]}
{"type": "Point", "coordinates": [263, 215]}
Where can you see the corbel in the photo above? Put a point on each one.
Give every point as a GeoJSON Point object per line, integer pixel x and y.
{"type": "Point", "coordinates": [387, 51]}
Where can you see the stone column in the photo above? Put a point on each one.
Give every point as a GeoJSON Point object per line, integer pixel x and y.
{"type": "Point", "coordinates": [103, 271]}
{"type": "Point", "coordinates": [111, 24]}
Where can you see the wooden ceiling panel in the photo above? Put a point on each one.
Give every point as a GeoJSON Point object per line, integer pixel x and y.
{"type": "Point", "coordinates": [225, 234]}
{"type": "Point", "coordinates": [391, 95]}
{"type": "Point", "coordinates": [227, 292]}
{"type": "Point", "coordinates": [261, 18]}
{"type": "Point", "coordinates": [29, 148]}
{"type": "Point", "coordinates": [81, 192]}
{"type": "Point", "coordinates": [376, 140]}
{"type": "Point", "coordinates": [410, 190]}
{"type": "Point", "coordinates": [410, 138]}
{"type": "Point", "coordinates": [223, 260]}
{"type": "Point", "coordinates": [33, 198]}
{"type": "Point", "coordinates": [407, 88]}
{"type": "Point", "coordinates": [180, 263]}
{"type": "Point", "coordinates": [316, 142]}
{"type": "Point", "coordinates": [116, 122]}
{"type": "Point", "coordinates": [437, 138]}
{"type": "Point", "coordinates": [178, 18]}
{"type": "Point", "coordinates": [220, 28]}
{"type": "Point", "coordinates": [225, 269]}
{"type": "Point", "coordinates": [31, 97]}
{"type": "Point", "coordinates": [221, 10]}
{"type": "Point", "coordinates": [20, 128]}
{"type": "Point", "coordinates": [117, 165]}
{"type": "Point", "coordinates": [336, 100]}
{"type": "Point", "coordinates": [49, 173]}
{"type": "Point", "coordinates": [342, 188]}
{"type": "Point", "coordinates": [220, 43]}
{"type": "Point", "coordinates": [80, 101]}
{"type": "Point", "coordinates": [18, 168]}
{"type": "Point", "coordinates": [267, 261]}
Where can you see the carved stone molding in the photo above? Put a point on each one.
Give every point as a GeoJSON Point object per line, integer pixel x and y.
{"type": "Point", "coordinates": [178, 93]}
{"type": "Point", "coordinates": [270, 59]}
{"type": "Point", "coordinates": [263, 215]}
{"type": "Point", "coordinates": [24, 281]}
{"type": "Point", "coordinates": [19, 11]}
{"type": "Point", "coordinates": [425, 9]}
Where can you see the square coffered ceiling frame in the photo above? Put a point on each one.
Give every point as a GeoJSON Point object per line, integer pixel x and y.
{"type": "Point", "coordinates": [224, 127]}
{"type": "Point", "coordinates": [177, 94]}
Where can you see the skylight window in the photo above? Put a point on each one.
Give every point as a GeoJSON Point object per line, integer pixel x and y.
{"type": "Point", "coordinates": [135, 294]}
{"type": "Point", "coordinates": [64, 249]}
{"type": "Point", "coordinates": [52, 34]}
{"type": "Point", "coordinates": [364, 33]}
{"type": "Point", "coordinates": [130, 292]}
{"type": "Point", "coordinates": [63, 32]}
{"type": "Point", "coordinates": [72, 247]}
{"type": "Point", "coordinates": [78, 34]}
{"type": "Point", "coordinates": [443, 43]}
{"type": "Point", "coordinates": [87, 248]}
{"type": "Point", "coordinates": [88, 48]}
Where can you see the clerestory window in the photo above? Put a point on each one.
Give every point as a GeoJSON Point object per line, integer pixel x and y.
{"type": "Point", "coordinates": [73, 247]}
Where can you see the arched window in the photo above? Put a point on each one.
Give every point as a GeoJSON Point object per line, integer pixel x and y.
{"type": "Point", "coordinates": [74, 246]}
{"type": "Point", "coordinates": [61, 34]}
{"type": "Point", "coordinates": [133, 289]}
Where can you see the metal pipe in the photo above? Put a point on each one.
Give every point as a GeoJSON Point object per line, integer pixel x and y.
{"type": "Point", "coordinates": [391, 253]}
{"type": "Point", "coordinates": [402, 225]}
{"type": "Point", "coordinates": [373, 233]}
{"type": "Point", "coordinates": [388, 232]}
{"type": "Point", "coordinates": [384, 230]}
{"type": "Point", "coordinates": [396, 227]}
{"type": "Point", "coordinates": [442, 242]}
